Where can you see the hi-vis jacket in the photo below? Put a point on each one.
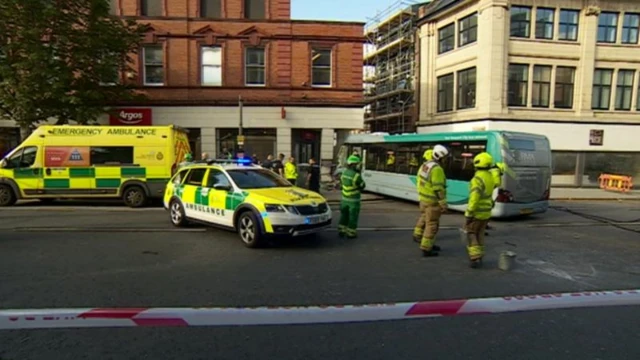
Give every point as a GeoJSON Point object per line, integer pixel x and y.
{"type": "Point", "coordinates": [352, 185]}
{"type": "Point", "coordinates": [290, 171]}
{"type": "Point", "coordinates": [480, 190]}
{"type": "Point", "coordinates": [432, 183]}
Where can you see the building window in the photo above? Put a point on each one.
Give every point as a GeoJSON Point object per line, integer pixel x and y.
{"type": "Point", "coordinates": [607, 27]}
{"type": "Point", "coordinates": [520, 21]}
{"type": "Point", "coordinates": [446, 38]}
{"type": "Point", "coordinates": [630, 26]}
{"type": "Point", "coordinates": [468, 28]}
{"type": "Point", "coordinates": [113, 7]}
{"type": "Point", "coordinates": [518, 84]}
{"type": "Point", "coordinates": [153, 66]}
{"type": "Point", "coordinates": [601, 89]}
{"type": "Point", "coordinates": [541, 89]}
{"type": "Point", "coordinates": [624, 89]}
{"type": "Point", "coordinates": [211, 59]}
{"type": "Point", "coordinates": [321, 67]}
{"type": "Point", "coordinates": [565, 78]}
{"type": "Point", "coordinates": [254, 9]}
{"type": "Point", "coordinates": [467, 88]}
{"type": "Point", "coordinates": [254, 67]}
{"type": "Point", "coordinates": [210, 8]}
{"type": "Point", "coordinates": [151, 7]}
{"type": "Point", "coordinates": [445, 93]}
{"type": "Point", "coordinates": [568, 28]}
{"type": "Point", "coordinates": [544, 23]}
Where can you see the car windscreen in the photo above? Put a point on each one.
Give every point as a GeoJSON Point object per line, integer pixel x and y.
{"type": "Point", "coordinates": [520, 151]}
{"type": "Point", "coordinates": [256, 179]}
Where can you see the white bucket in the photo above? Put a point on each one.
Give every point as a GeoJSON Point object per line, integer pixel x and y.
{"type": "Point", "coordinates": [507, 260]}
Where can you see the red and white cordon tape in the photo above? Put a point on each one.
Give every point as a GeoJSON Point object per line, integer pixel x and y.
{"type": "Point", "coordinates": [166, 317]}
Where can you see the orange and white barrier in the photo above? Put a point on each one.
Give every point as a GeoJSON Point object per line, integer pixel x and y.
{"type": "Point", "coordinates": [273, 315]}
{"type": "Point", "coordinates": [618, 183]}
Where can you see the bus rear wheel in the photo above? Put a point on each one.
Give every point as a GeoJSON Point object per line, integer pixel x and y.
{"type": "Point", "coordinates": [134, 196]}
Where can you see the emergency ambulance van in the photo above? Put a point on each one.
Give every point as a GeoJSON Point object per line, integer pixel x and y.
{"type": "Point", "coordinates": [75, 162]}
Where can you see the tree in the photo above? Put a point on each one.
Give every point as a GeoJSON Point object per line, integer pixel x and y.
{"type": "Point", "coordinates": [56, 57]}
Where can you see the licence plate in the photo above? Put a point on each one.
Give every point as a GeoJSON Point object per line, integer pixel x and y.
{"type": "Point", "coordinates": [312, 220]}
{"type": "Point", "coordinates": [526, 211]}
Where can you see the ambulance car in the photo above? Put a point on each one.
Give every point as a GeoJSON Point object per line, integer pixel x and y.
{"type": "Point", "coordinates": [255, 202]}
{"type": "Point", "coordinates": [133, 163]}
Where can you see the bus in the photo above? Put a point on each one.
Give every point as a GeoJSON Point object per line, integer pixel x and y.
{"type": "Point", "coordinates": [391, 163]}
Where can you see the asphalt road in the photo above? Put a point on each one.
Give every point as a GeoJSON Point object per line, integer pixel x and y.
{"type": "Point", "coordinates": [108, 256]}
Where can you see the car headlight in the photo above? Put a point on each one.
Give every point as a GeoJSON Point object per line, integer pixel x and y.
{"type": "Point", "coordinates": [273, 208]}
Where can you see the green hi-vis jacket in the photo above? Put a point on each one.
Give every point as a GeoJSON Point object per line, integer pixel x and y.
{"type": "Point", "coordinates": [480, 190]}
{"type": "Point", "coordinates": [352, 184]}
{"type": "Point", "coordinates": [432, 183]}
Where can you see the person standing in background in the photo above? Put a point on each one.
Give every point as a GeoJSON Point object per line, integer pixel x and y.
{"type": "Point", "coordinates": [313, 176]}
{"type": "Point", "coordinates": [291, 171]}
{"type": "Point", "coordinates": [268, 162]}
{"type": "Point", "coordinates": [278, 165]}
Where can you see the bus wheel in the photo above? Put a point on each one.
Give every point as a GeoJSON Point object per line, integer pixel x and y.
{"type": "Point", "coordinates": [7, 196]}
{"type": "Point", "coordinates": [134, 196]}
{"type": "Point", "coordinates": [249, 230]}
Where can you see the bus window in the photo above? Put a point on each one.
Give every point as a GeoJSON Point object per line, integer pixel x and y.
{"type": "Point", "coordinates": [408, 159]}
{"type": "Point", "coordinates": [460, 160]}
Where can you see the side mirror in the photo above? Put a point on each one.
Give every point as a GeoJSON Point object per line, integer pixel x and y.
{"type": "Point", "coordinates": [222, 187]}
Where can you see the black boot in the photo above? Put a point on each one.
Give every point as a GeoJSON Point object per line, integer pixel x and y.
{"type": "Point", "coordinates": [435, 248]}
{"type": "Point", "coordinates": [475, 264]}
{"type": "Point", "coordinates": [429, 253]}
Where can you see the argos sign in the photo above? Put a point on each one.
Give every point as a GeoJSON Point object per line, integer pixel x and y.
{"type": "Point", "coordinates": [131, 117]}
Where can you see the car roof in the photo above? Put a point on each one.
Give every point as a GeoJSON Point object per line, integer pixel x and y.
{"type": "Point", "coordinates": [223, 165]}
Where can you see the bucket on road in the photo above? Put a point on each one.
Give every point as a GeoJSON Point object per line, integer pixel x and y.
{"type": "Point", "coordinates": [507, 260]}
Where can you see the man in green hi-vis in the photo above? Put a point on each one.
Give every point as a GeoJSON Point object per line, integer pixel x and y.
{"type": "Point", "coordinates": [352, 186]}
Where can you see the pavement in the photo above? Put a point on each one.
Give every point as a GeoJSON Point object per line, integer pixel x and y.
{"type": "Point", "coordinates": [75, 255]}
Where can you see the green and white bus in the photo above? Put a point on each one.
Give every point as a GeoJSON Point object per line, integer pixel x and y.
{"type": "Point", "coordinates": [391, 163]}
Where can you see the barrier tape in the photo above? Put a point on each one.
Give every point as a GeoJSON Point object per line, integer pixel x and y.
{"type": "Point", "coordinates": [172, 317]}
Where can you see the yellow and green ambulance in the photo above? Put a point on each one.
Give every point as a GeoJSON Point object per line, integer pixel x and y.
{"type": "Point", "coordinates": [255, 202]}
{"type": "Point", "coordinates": [76, 162]}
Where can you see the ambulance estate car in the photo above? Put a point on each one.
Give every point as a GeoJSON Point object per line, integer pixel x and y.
{"type": "Point", "coordinates": [251, 200]}
{"type": "Point", "coordinates": [132, 163]}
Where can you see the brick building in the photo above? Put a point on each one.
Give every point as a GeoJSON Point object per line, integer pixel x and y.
{"type": "Point", "coordinates": [300, 81]}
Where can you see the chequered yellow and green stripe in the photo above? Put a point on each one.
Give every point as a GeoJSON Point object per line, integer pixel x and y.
{"type": "Point", "coordinates": [193, 195]}
{"type": "Point", "coordinates": [83, 177]}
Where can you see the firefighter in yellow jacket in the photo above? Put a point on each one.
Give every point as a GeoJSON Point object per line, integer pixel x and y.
{"type": "Point", "coordinates": [431, 183]}
{"type": "Point", "coordinates": [479, 208]}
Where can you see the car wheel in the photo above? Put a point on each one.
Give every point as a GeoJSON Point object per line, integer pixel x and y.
{"type": "Point", "coordinates": [177, 215]}
{"type": "Point", "coordinates": [7, 196]}
{"type": "Point", "coordinates": [135, 197]}
{"type": "Point", "coordinates": [249, 230]}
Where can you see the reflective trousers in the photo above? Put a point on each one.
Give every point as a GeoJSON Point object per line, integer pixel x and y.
{"type": "Point", "coordinates": [475, 238]}
{"type": "Point", "coordinates": [349, 214]}
{"type": "Point", "coordinates": [428, 224]}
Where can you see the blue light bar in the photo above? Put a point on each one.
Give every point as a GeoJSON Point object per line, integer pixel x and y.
{"type": "Point", "coordinates": [244, 161]}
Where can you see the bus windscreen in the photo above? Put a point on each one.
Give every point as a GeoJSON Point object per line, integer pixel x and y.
{"type": "Point", "coordinates": [526, 152]}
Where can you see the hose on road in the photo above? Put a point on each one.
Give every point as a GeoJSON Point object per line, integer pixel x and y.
{"type": "Point", "coordinates": [600, 219]}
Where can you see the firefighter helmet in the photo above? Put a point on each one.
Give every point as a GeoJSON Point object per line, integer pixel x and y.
{"type": "Point", "coordinates": [483, 161]}
{"type": "Point", "coordinates": [439, 152]}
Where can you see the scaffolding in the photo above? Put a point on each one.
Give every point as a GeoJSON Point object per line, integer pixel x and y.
{"type": "Point", "coordinates": [390, 68]}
